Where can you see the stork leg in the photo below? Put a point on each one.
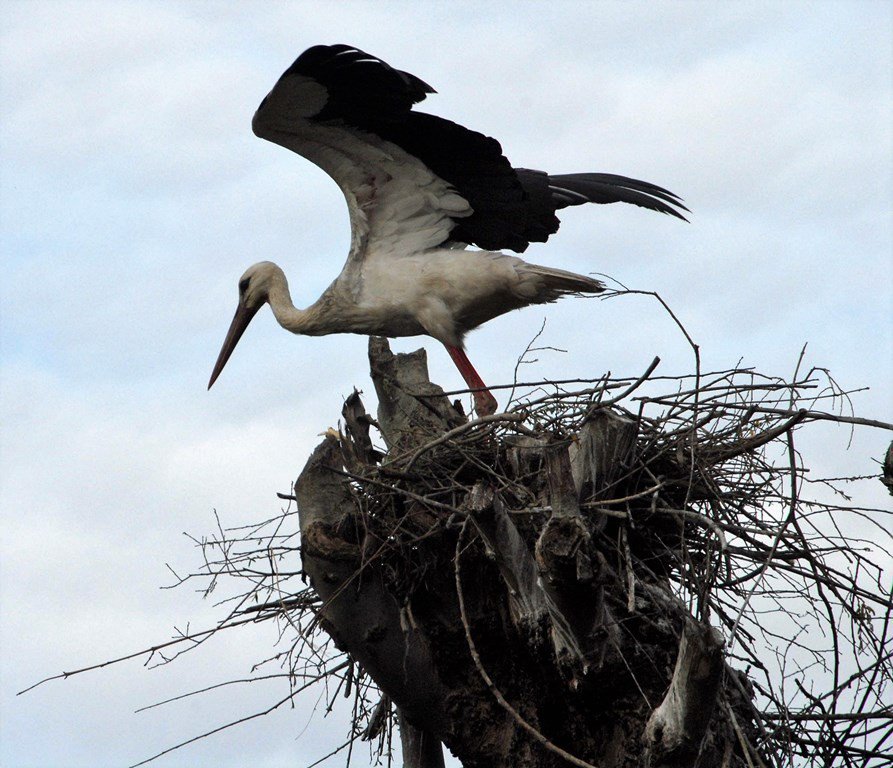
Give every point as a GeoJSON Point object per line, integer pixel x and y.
{"type": "Point", "coordinates": [484, 402]}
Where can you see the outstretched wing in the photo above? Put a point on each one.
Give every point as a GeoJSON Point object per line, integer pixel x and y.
{"type": "Point", "coordinates": [415, 181]}
{"type": "Point", "coordinates": [337, 106]}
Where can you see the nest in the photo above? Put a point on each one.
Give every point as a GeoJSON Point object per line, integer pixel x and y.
{"type": "Point", "coordinates": [547, 562]}
{"type": "Point", "coordinates": [619, 572]}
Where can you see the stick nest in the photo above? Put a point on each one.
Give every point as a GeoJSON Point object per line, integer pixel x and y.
{"type": "Point", "coordinates": [646, 506]}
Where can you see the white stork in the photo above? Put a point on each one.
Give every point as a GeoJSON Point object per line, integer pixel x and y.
{"type": "Point", "coordinates": [420, 189]}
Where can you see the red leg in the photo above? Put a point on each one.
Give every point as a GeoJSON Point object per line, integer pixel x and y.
{"type": "Point", "coordinates": [484, 402]}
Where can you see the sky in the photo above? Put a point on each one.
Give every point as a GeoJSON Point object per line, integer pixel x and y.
{"type": "Point", "coordinates": [133, 195]}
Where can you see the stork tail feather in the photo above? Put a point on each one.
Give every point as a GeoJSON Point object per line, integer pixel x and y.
{"type": "Point", "coordinates": [578, 188]}
{"type": "Point", "coordinates": [559, 282]}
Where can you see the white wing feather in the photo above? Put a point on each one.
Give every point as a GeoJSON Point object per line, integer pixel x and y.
{"type": "Point", "coordinates": [398, 206]}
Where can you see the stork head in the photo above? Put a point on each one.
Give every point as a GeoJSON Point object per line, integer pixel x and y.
{"type": "Point", "coordinates": [254, 292]}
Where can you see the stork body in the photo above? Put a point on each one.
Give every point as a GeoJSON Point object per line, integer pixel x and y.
{"type": "Point", "coordinates": [419, 190]}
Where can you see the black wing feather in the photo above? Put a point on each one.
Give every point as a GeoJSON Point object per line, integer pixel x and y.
{"type": "Point", "coordinates": [359, 86]}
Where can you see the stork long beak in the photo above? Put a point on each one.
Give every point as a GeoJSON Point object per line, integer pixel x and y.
{"type": "Point", "coordinates": [236, 329]}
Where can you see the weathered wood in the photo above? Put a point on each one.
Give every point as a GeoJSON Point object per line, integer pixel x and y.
{"type": "Point", "coordinates": [359, 613]}
{"type": "Point", "coordinates": [675, 730]}
{"type": "Point", "coordinates": [564, 496]}
{"type": "Point", "coordinates": [572, 574]}
{"type": "Point", "coordinates": [527, 602]}
{"type": "Point", "coordinates": [411, 410]}
{"type": "Point", "coordinates": [602, 451]}
{"type": "Point", "coordinates": [524, 453]}
{"type": "Point", "coordinates": [358, 450]}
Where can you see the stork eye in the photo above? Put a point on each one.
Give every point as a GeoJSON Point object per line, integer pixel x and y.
{"type": "Point", "coordinates": [243, 285]}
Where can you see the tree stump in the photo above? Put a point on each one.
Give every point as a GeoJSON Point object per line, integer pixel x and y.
{"type": "Point", "coordinates": [475, 574]}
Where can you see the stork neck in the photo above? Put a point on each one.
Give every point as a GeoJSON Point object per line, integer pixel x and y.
{"type": "Point", "coordinates": [287, 314]}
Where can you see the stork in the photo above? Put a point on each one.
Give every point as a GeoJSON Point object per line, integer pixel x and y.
{"type": "Point", "coordinates": [420, 189]}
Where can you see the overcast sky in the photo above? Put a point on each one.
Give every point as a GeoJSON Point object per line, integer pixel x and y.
{"type": "Point", "coordinates": [133, 195]}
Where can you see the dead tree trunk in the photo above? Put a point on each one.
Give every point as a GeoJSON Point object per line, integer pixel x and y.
{"type": "Point", "coordinates": [494, 590]}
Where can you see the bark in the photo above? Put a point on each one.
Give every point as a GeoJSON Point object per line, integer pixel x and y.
{"type": "Point", "coordinates": [887, 469]}
{"type": "Point", "coordinates": [421, 749]}
{"type": "Point", "coordinates": [359, 613]}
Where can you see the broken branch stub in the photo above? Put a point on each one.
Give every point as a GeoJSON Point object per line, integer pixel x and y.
{"type": "Point", "coordinates": [675, 730]}
{"type": "Point", "coordinates": [411, 410]}
{"type": "Point", "coordinates": [602, 452]}
{"type": "Point", "coordinates": [572, 574]}
{"type": "Point", "coordinates": [527, 602]}
{"type": "Point", "coordinates": [358, 449]}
